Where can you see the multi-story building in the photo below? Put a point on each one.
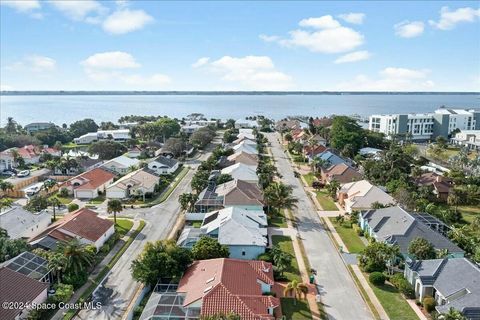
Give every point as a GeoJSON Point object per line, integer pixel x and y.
{"type": "Point", "coordinates": [426, 126]}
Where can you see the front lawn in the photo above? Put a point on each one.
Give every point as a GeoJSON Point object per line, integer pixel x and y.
{"type": "Point", "coordinates": [123, 226]}
{"type": "Point", "coordinates": [325, 201]}
{"type": "Point", "coordinates": [309, 178]}
{"type": "Point", "coordinates": [64, 201]}
{"type": "Point", "coordinates": [298, 310]}
{"type": "Point", "coordinates": [278, 220]}
{"type": "Point", "coordinates": [98, 200]}
{"type": "Point", "coordinates": [393, 302]}
{"type": "Point", "coordinates": [469, 212]}
{"type": "Point", "coordinates": [286, 245]}
{"type": "Point", "coordinates": [349, 237]}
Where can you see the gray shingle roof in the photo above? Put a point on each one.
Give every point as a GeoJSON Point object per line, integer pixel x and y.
{"type": "Point", "coordinates": [169, 162]}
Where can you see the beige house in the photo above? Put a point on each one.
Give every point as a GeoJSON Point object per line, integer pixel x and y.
{"type": "Point", "coordinates": [360, 195]}
{"type": "Point", "coordinates": [139, 182]}
{"type": "Point", "coordinates": [245, 158]}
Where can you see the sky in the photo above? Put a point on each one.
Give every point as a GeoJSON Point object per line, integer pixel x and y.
{"type": "Point", "coordinates": [227, 45]}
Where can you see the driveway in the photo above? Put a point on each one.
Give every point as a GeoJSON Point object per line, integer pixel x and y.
{"type": "Point", "coordinates": [118, 288]}
{"type": "Point", "coordinates": [339, 294]}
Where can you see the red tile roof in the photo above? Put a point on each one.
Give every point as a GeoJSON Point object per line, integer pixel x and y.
{"type": "Point", "coordinates": [19, 288]}
{"type": "Point", "coordinates": [28, 152]}
{"type": "Point", "coordinates": [440, 183]}
{"type": "Point", "coordinates": [229, 285]}
{"type": "Point", "coordinates": [91, 179]}
{"type": "Point", "coordinates": [316, 149]}
{"type": "Point", "coordinates": [84, 223]}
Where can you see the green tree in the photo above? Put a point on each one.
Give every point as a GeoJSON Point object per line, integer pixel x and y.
{"type": "Point", "coordinates": [72, 207]}
{"type": "Point", "coordinates": [107, 149]}
{"type": "Point", "coordinates": [202, 137]}
{"type": "Point", "coordinates": [224, 178]}
{"type": "Point", "coordinates": [81, 127]}
{"type": "Point", "coordinates": [209, 248]}
{"type": "Point", "coordinates": [160, 259]}
{"type": "Point", "coordinates": [10, 248]}
{"type": "Point", "coordinates": [281, 259]}
{"type": "Point", "coordinates": [175, 145]}
{"type": "Point", "coordinates": [37, 203]}
{"type": "Point", "coordinates": [55, 203]}
{"type": "Point", "coordinates": [6, 186]}
{"type": "Point", "coordinates": [114, 206]}
{"type": "Point", "coordinates": [187, 200]}
{"type": "Point", "coordinates": [422, 249]}
{"type": "Point", "coordinates": [200, 180]}
{"type": "Point", "coordinates": [279, 196]}
{"type": "Point", "coordinates": [5, 203]}
{"type": "Point", "coordinates": [346, 132]}
{"type": "Point", "coordinates": [78, 258]}
{"type": "Point", "coordinates": [222, 316]}
{"type": "Point", "coordinates": [452, 314]}
{"type": "Point", "coordinates": [297, 289]}
{"type": "Point", "coordinates": [63, 292]}
{"type": "Point", "coordinates": [57, 263]}
{"type": "Point", "coordinates": [333, 188]}
{"type": "Point", "coordinates": [377, 255]}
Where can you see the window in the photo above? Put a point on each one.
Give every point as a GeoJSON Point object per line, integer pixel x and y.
{"type": "Point", "coordinates": [243, 252]}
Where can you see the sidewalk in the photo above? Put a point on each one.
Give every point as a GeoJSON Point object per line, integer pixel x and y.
{"type": "Point", "coordinates": [98, 268]}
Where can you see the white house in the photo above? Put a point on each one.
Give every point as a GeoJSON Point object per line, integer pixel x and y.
{"type": "Point", "coordinates": [163, 165]}
{"type": "Point", "coordinates": [467, 138]}
{"type": "Point", "coordinates": [90, 184]}
{"type": "Point", "coordinates": [138, 183]}
{"type": "Point", "coordinates": [244, 123]}
{"type": "Point", "coordinates": [120, 135]}
{"type": "Point", "coordinates": [245, 147]}
{"type": "Point", "coordinates": [241, 171]}
{"type": "Point", "coordinates": [121, 164]}
{"type": "Point", "coordinates": [21, 223]}
{"type": "Point", "coordinates": [360, 195]}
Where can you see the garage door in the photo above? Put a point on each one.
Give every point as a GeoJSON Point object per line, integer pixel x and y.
{"type": "Point", "coordinates": [85, 194]}
{"type": "Point", "coordinates": [115, 194]}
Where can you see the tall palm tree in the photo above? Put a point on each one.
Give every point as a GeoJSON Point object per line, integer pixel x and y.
{"type": "Point", "coordinates": [57, 263]}
{"type": "Point", "coordinates": [333, 188]}
{"type": "Point", "coordinates": [296, 289]}
{"type": "Point", "coordinates": [279, 196]}
{"type": "Point", "coordinates": [49, 184]}
{"type": "Point", "coordinates": [114, 206]}
{"type": "Point", "coordinates": [78, 259]}
{"type": "Point", "coordinates": [5, 186]}
{"type": "Point", "coordinates": [55, 203]}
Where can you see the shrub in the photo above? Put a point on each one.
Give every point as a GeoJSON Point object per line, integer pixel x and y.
{"type": "Point", "coordinates": [406, 289]}
{"type": "Point", "coordinates": [63, 192]}
{"type": "Point", "coordinates": [265, 257]}
{"type": "Point", "coordinates": [429, 304]}
{"type": "Point", "coordinates": [374, 267]}
{"type": "Point", "coordinates": [377, 278]}
{"type": "Point", "coordinates": [395, 279]}
{"type": "Point", "coordinates": [72, 207]}
{"type": "Point", "coordinates": [76, 280]}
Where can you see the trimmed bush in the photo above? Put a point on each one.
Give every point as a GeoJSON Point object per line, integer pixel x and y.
{"type": "Point", "coordinates": [377, 278]}
{"type": "Point", "coordinates": [72, 207]}
{"type": "Point", "coordinates": [429, 304]}
{"type": "Point", "coordinates": [265, 257]}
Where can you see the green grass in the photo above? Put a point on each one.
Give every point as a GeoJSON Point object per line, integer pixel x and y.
{"type": "Point", "coordinates": [298, 310]}
{"type": "Point", "coordinates": [349, 237]}
{"type": "Point", "coordinates": [196, 224]}
{"type": "Point", "coordinates": [325, 201]}
{"type": "Point", "coordinates": [123, 226]}
{"type": "Point", "coordinates": [285, 243]}
{"type": "Point", "coordinates": [97, 200]}
{"type": "Point", "coordinates": [309, 177]}
{"type": "Point", "coordinates": [277, 220]}
{"type": "Point", "coordinates": [363, 293]}
{"type": "Point", "coordinates": [64, 201]}
{"type": "Point", "coordinates": [394, 303]}
{"type": "Point", "coordinates": [469, 212]}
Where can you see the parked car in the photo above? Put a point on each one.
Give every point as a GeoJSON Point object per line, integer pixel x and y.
{"type": "Point", "coordinates": [32, 191]}
{"type": "Point", "coordinates": [8, 173]}
{"type": "Point", "coordinates": [24, 173]}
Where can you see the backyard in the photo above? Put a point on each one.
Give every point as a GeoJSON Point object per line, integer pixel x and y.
{"type": "Point", "coordinates": [349, 237]}
{"type": "Point", "coordinates": [286, 245]}
{"type": "Point", "coordinates": [325, 201]}
{"type": "Point", "coordinates": [298, 310]}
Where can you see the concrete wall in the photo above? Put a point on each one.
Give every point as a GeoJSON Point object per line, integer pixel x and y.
{"type": "Point", "coordinates": [251, 252]}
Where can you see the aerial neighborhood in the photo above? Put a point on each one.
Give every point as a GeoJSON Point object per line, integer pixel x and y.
{"type": "Point", "coordinates": [152, 217]}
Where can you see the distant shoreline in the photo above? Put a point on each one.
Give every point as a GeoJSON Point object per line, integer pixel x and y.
{"type": "Point", "coordinates": [220, 93]}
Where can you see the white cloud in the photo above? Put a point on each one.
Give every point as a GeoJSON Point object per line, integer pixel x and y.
{"type": "Point", "coordinates": [35, 63]}
{"type": "Point", "coordinates": [80, 10]}
{"type": "Point", "coordinates": [324, 22]}
{"type": "Point", "coordinates": [327, 36]}
{"type": "Point", "coordinates": [201, 62]}
{"type": "Point", "coordinates": [391, 79]}
{"type": "Point", "coordinates": [110, 60]}
{"type": "Point", "coordinates": [353, 57]}
{"type": "Point", "coordinates": [355, 18]}
{"type": "Point", "coordinates": [449, 19]}
{"type": "Point", "coordinates": [22, 6]}
{"type": "Point", "coordinates": [407, 29]}
{"type": "Point", "coordinates": [251, 72]}
{"type": "Point", "coordinates": [268, 38]}
{"type": "Point", "coordinates": [113, 67]}
{"type": "Point", "coordinates": [126, 20]}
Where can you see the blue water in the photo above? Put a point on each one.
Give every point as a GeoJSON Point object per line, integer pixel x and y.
{"type": "Point", "coordinates": [66, 109]}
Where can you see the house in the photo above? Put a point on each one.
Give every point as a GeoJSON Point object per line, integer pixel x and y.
{"type": "Point", "coordinates": [452, 282]}
{"type": "Point", "coordinates": [21, 223]}
{"type": "Point", "coordinates": [442, 186]}
{"type": "Point", "coordinates": [396, 226]}
{"type": "Point", "coordinates": [119, 135]}
{"type": "Point", "coordinates": [246, 140]}
{"type": "Point", "coordinates": [467, 138]}
{"type": "Point", "coordinates": [83, 224]}
{"type": "Point", "coordinates": [137, 183]}
{"type": "Point", "coordinates": [218, 286]}
{"type": "Point", "coordinates": [341, 172]}
{"type": "Point", "coordinates": [30, 154]}
{"type": "Point", "coordinates": [243, 231]}
{"type": "Point", "coordinates": [244, 135]}
{"type": "Point", "coordinates": [162, 165]}
{"type": "Point", "coordinates": [332, 158]}
{"type": "Point", "coordinates": [121, 164]}
{"type": "Point", "coordinates": [19, 289]}
{"type": "Point", "coordinates": [80, 164]}
{"type": "Point", "coordinates": [51, 151]}
{"type": "Point", "coordinates": [236, 193]}
{"type": "Point", "coordinates": [7, 160]}
{"type": "Point", "coordinates": [243, 157]}
{"type": "Point", "coordinates": [318, 139]}
{"type": "Point", "coordinates": [312, 152]}
{"type": "Point", "coordinates": [299, 135]}
{"type": "Point", "coordinates": [360, 195]}
{"type": "Point", "coordinates": [286, 125]}
{"type": "Point", "coordinates": [245, 147]}
{"type": "Point", "coordinates": [134, 152]}
{"type": "Point", "coordinates": [245, 123]}
{"type": "Point", "coordinates": [322, 122]}
{"type": "Point", "coordinates": [38, 126]}
{"type": "Point", "coordinates": [90, 184]}
{"type": "Point", "coordinates": [243, 172]}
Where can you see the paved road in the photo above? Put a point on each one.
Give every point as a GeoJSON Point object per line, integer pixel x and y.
{"type": "Point", "coordinates": [118, 288]}
{"type": "Point", "coordinates": [339, 293]}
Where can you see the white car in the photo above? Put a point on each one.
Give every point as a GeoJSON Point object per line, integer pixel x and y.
{"type": "Point", "coordinates": [24, 173]}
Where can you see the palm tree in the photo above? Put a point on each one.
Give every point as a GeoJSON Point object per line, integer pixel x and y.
{"type": "Point", "coordinates": [114, 206]}
{"type": "Point", "coordinates": [333, 188]}
{"type": "Point", "coordinates": [279, 196]}
{"type": "Point", "coordinates": [297, 289]}
{"type": "Point", "coordinates": [5, 203]}
{"type": "Point", "coordinates": [49, 184]}
{"type": "Point", "coordinates": [452, 314]}
{"type": "Point", "coordinates": [5, 186]}
{"type": "Point", "coordinates": [57, 262]}
{"type": "Point", "coordinates": [77, 258]}
{"type": "Point", "coordinates": [54, 202]}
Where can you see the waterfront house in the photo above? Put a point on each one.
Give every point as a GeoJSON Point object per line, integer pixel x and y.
{"type": "Point", "coordinates": [245, 123]}
{"type": "Point", "coordinates": [38, 126]}
{"type": "Point", "coordinates": [119, 135]}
